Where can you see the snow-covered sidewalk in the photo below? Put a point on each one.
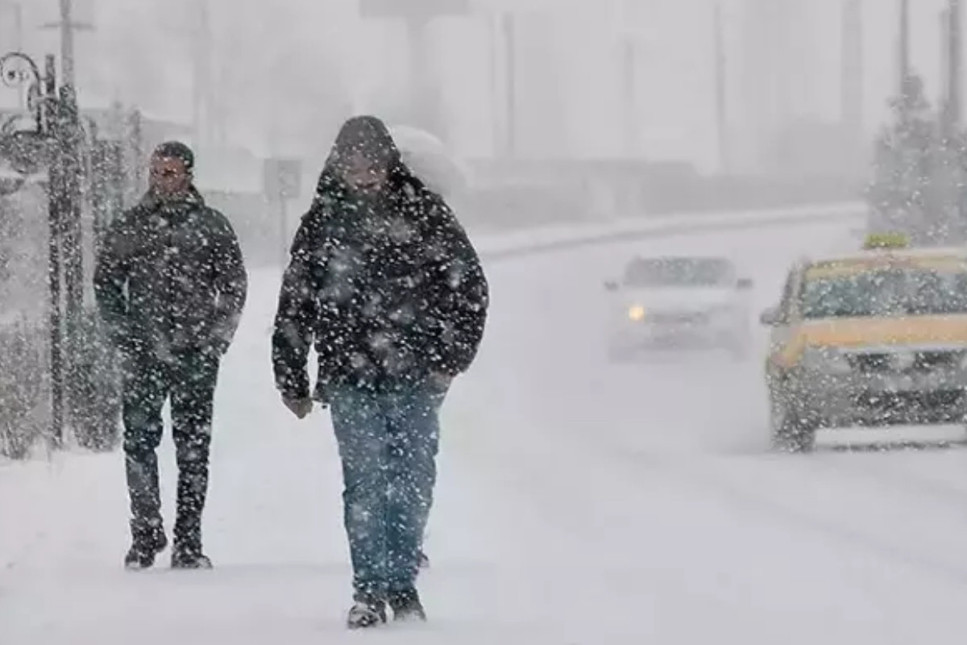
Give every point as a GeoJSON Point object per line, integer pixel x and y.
{"type": "Point", "coordinates": [578, 504]}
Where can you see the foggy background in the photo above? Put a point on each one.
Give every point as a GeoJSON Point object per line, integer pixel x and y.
{"type": "Point", "coordinates": [284, 73]}
{"type": "Point", "coordinates": [578, 495]}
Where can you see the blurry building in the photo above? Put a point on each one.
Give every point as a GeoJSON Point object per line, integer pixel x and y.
{"type": "Point", "coordinates": [776, 84]}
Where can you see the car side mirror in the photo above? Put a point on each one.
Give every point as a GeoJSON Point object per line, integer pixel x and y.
{"type": "Point", "coordinates": [611, 285]}
{"type": "Point", "coordinates": [770, 317]}
{"type": "Point", "coordinates": [744, 284]}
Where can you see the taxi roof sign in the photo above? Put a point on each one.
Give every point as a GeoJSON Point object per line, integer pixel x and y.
{"type": "Point", "coordinates": [886, 241]}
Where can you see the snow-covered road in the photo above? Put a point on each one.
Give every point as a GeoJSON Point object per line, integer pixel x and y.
{"type": "Point", "coordinates": [579, 502]}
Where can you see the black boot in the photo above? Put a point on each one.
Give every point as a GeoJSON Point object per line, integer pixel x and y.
{"type": "Point", "coordinates": [406, 605]}
{"type": "Point", "coordinates": [148, 539]}
{"type": "Point", "coordinates": [188, 560]}
{"type": "Point", "coordinates": [368, 611]}
{"type": "Point", "coordinates": [187, 552]}
{"type": "Point", "coordinates": [188, 555]}
{"type": "Point", "coordinates": [424, 561]}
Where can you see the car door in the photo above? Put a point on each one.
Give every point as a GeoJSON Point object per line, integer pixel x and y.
{"type": "Point", "coordinates": [782, 330]}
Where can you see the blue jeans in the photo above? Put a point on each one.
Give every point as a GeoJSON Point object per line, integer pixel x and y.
{"type": "Point", "coordinates": [388, 444]}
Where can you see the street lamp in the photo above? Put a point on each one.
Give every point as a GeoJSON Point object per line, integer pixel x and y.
{"type": "Point", "coordinates": [15, 67]}
{"type": "Point", "coordinates": [19, 71]}
{"type": "Point", "coordinates": [27, 152]}
{"type": "Point", "coordinates": [48, 152]}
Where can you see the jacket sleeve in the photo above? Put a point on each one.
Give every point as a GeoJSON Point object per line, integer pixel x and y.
{"type": "Point", "coordinates": [295, 320]}
{"type": "Point", "coordinates": [231, 282]}
{"type": "Point", "coordinates": [110, 278]}
{"type": "Point", "coordinates": [462, 296]}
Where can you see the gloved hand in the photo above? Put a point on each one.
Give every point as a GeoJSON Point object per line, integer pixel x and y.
{"type": "Point", "coordinates": [300, 407]}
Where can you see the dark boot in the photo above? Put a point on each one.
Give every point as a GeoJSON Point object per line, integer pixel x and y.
{"type": "Point", "coordinates": [424, 561]}
{"type": "Point", "coordinates": [187, 552]}
{"type": "Point", "coordinates": [148, 539]}
{"type": "Point", "coordinates": [406, 605]}
{"type": "Point", "coordinates": [368, 611]}
{"type": "Point", "coordinates": [186, 559]}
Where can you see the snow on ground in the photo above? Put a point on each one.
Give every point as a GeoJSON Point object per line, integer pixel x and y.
{"type": "Point", "coordinates": [578, 502]}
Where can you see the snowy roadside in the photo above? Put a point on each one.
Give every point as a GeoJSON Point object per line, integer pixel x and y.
{"type": "Point", "coordinates": [273, 525]}
{"type": "Point", "coordinates": [578, 504]}
{"type": "Point", "coordinates": [526, 242]}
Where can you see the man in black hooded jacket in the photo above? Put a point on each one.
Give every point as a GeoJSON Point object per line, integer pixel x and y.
{"type": "Point", "coordinates": [170, 285]}
{"type": "Point", "coordinates": [385, 283]}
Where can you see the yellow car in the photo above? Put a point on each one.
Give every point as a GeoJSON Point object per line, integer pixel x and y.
{"type": "Point", "coordinates": [871, 339]}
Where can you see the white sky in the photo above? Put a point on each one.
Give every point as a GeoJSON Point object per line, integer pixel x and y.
{"type": "Point", "coordinates": [278, 51]}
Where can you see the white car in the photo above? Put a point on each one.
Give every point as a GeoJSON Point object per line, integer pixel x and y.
{"type": "Point", "coordinates": [679, 301]}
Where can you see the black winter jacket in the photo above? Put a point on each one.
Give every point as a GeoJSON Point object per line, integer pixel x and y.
{"type": "Point", "coordinates": [389, 292]}
{"type": "Point", "coordinates": [170, 277]}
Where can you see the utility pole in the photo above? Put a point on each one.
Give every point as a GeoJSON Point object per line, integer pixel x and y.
{"type": "Point", "coordinates": [208, 109]}
{"type": "Point", "coordinates": [944, 59]}
{"type": "Point", "coordinates": [629, 56]}
{"type": "Point", "coordinates": [629, 50]}
{"type": "Point", "coordinates": [510, 47]}
{"type": "Point", "coordinates": [952, 107]}
{"type": "Point", "coordinates": [67, 43]}
{"type": "Point", "coordinates": [851, 70]}
{"type": "Point", "coordinates": [904, 46]}
{"type": "Point", "coordinates": [496, 107]}
{"type": "Point", "coordinates": [67, 26]}
{"type": "Point", "coordinates": [768, 67]}
{"type": "Point", "coordinates": [417, 15]}
{"type": "Point", "coordinates": [721, 93]}
{"type": "Point", "coordinates": [67, 194]}
{"type": "Point", "coordinates": [202, 76]}
{"type": "Point", "coordinates": [421, 85]}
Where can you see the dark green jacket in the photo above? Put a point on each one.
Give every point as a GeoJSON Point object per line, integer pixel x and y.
{"type": "Point", "coordinates": [170, 277]}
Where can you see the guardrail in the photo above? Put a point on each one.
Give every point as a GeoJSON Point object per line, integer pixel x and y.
{"type": "Point", "coordinates": [558, 238]}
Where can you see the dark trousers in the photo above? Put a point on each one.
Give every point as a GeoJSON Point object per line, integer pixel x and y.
{"type": "Point", "coordinates": [388, 445]}
{"type": "Point", "coordinates": [437, 399]}
{"type": "Point", "coordinates": [188, 380]}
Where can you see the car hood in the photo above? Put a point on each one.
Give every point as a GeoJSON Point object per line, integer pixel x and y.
{"type": "Point", "coordinates": [859, 333]}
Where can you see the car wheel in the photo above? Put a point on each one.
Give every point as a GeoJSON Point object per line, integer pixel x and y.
{"type": "Point", "coordinates": [792, 431]}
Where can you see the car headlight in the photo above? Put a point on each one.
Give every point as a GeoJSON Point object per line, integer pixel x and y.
{"type": "Point", "coordinates": [825, 359]}
{"type": "Point", "coordinates": [636, 313]}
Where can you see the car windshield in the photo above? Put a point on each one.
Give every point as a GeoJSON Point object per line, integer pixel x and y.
{"type": "Point", "coordinates": [678, 272]}
{"type": "Point", "coordinates": [885, 293]}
